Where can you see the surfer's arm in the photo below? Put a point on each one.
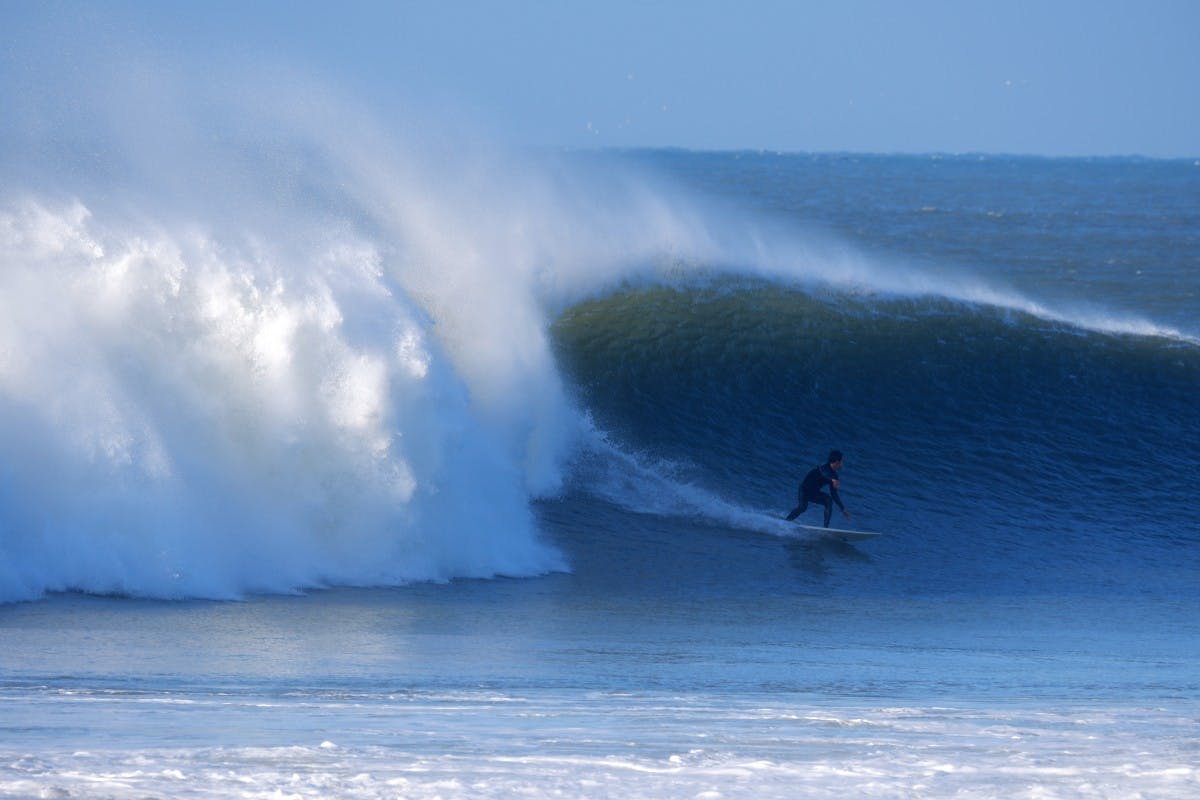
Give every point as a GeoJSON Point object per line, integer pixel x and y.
{"type": "Point", "coordinates": [834, 483]}
{"type": "Point", "coordinates": [833, 491]}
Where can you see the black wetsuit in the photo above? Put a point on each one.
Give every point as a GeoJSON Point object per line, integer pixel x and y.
{"type": "Point", "coordinates": [810, 492]}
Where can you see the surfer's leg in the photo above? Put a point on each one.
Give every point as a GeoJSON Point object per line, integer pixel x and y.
{"type": "Point", "coordinates": [828, 502]}
{"type": "Point", "coordinates": [798, 510]}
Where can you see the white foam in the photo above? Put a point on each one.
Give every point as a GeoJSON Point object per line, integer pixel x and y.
{"type": "Point", "coordinates": [655, 486]}
{"type": "Point", "coordinates": [636, 745]}
{"type": "Point", "coordinates": [186, 418]}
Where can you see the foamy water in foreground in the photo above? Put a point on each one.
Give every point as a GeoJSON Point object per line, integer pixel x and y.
{"type": "Point", "coordinates": [542, 687]}
{"type": "Point", "coordinates": [599, 745]}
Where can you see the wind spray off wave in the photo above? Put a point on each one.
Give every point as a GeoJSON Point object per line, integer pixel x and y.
{"type": "Point", "coordinates": [295, 358]}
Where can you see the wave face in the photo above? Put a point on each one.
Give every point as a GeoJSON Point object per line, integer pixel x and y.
{"type": "Point", "coordinates": [1006, 349]}
{"type": "Point", "coordinates": [994, 447]}
{"type": "Point", "coordinates": [308, 354]}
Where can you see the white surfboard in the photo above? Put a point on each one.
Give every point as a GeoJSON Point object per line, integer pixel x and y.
{"type": "Point", "coordinates": [835, 533]}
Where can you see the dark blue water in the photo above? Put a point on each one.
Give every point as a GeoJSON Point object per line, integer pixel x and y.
{"type": "Point", "coordinates": [1003, 452]}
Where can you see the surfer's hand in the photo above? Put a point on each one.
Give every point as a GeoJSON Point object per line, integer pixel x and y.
{"type": "Point", "coordinates": [845, 513]}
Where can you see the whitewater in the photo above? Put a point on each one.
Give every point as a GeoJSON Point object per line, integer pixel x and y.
{"type": "Point", "coordinates": [208, 408]}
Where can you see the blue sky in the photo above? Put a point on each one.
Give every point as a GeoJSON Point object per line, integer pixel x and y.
{"type": "Point", "coordinates": [1050, 78]}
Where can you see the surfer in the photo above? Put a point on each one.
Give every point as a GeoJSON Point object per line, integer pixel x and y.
{"type": "Point", "coordinates": [817, 478]}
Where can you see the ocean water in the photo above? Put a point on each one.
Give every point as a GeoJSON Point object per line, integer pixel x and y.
{"type": "Point", "coordinates": [338, 467]}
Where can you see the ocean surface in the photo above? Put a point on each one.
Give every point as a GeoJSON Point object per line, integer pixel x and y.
{"type": "Point", "coordinates": [336, 467]}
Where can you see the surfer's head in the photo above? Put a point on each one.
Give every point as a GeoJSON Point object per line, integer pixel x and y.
{"type": "Point", "coordinates": [835, 458]}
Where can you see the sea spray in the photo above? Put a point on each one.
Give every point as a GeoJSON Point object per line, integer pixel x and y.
{"type": "Point", "coordinates": [273, 346]}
